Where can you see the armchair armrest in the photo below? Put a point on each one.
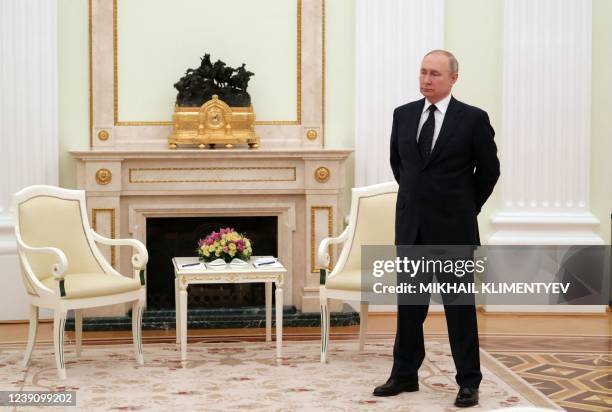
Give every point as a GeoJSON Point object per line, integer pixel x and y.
{"type": "Point", "coordinates": [139, 260]}
{"type": "Point", "coordinates": [58, 269]}
{"type": "Point", "coordinates": [323, 256]}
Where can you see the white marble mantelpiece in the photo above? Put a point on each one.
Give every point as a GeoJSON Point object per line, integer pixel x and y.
{"type": "Point", "coordinates": [240, 182]}
{"type": "Point", "coordinates": [313, 153]}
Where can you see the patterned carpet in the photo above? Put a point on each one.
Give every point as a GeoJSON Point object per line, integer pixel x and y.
{"type": "Point", "coordinates": [245, 376]}
{"type": "Point", "coordinates": [575, 372]}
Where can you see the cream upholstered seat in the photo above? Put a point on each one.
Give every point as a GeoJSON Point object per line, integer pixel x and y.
{"type": "Point", "coordinates": [345, 280]}
{"type": "Point", "coordinates": [63, 269]}
{"type": "Point", "coordinates": [371, 222]}
{"type": "Point", "coordinates": [86, 285]}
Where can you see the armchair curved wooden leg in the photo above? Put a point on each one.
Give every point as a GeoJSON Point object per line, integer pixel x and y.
{"type": "Point", "coordinates": [59, 322]}
{"type": "Point", "coordinates": [137, 309]}
{"type": "Point", "coordinates": [325, 324]}
{"type": "Point", "coordinates": [78, 330]}
{"type": "Point", "coordinates": [363, 324]}
{"type": "Point", "coordinates": [31, 335]}
{"type": "Point", "coordinates": [177, 312]}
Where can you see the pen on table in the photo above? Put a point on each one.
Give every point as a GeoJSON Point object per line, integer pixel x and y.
{"type": "Point", "coordinates": [266, 263]}
{"type": "Point", "coordinates": [190, 264]}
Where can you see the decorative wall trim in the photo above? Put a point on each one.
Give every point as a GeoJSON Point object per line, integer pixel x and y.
{"type": "Point", "coordinates": [323, 73]}
{"type": "Point", "coordinates": [103, 176]}
{"type": "Point", "coordinates": [104, 93]}
{"type": "Point", "coordinates": [207, 174]}
{"type": "Point", "coordinates": [298, 121]}
{"type": "Point", "coordinates": [322, 174]}
{"type": "Point", "coordinates": [90, 66]}
{"type": "Point", "coordinates": [313, 235]}
{"type": "Point", "coordinates": [94, 225]}
{"type": "Point", "coordinates": [103, 135]}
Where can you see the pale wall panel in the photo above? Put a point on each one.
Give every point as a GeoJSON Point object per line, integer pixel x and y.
{"type": "Point", "coordinates": [28, 124]}
{"type": "Point", "coordinates": [391, 38]}
{"type": "Point", "coordinates": [158, 40]}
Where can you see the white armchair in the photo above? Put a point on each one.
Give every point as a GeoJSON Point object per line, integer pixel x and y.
{"type": "Point", "coordinates": [63, 269]}
{"type": "Point", "coordinates": [371, 222]}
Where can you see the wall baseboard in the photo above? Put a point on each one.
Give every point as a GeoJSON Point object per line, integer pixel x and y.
{"type": "Point", "coordinates": [545, 309]}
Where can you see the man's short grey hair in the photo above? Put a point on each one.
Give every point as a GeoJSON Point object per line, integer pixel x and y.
{"type": "Point", "coordinates": [452, 60]}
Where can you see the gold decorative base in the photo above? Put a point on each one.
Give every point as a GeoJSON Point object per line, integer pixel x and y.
{"type": "Point", "coordinates": [215, 123]}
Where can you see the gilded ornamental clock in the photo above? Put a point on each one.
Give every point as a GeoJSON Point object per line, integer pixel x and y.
{"type": "Point", "coordinates": [213, 107]}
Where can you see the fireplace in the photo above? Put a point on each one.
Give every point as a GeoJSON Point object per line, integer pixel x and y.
{"type": "Point", "coordinates": [168, 237]}
{"type": "Point", "coordinates": [300, 190]}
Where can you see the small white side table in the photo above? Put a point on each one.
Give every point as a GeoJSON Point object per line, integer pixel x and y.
{"type": "Point", "coordinates": [249, 274]}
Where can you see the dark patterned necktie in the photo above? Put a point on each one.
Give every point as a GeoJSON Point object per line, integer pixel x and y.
{"type": "Point", "coordinates": [427, 133]}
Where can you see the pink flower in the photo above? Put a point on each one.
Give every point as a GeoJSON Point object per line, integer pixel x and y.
{"type": "Point", "coordinates": [240, 247]}
{"type": "Point", "coordinates": [225, 249]}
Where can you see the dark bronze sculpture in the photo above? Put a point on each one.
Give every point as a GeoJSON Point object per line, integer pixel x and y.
{"type": "Point", "coordinates": [198, 86]}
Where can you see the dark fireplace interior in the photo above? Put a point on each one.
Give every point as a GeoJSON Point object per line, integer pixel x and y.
{"type": "Point", "coordinates": [171, 237]}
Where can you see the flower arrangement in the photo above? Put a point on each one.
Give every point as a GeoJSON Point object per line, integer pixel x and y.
{"type": "Point", "coordinates": [226, 244]}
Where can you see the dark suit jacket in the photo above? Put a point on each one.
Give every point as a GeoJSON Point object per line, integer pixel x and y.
{"type": "Point", "coordinates": [440, 199]}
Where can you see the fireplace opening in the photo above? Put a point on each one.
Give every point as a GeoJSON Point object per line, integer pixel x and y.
{"type": "Point", "coordinates": [169, 237]}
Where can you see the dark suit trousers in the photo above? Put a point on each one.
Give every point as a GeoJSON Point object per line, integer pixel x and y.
{"type": "Point", "coordinates": [409, 349]}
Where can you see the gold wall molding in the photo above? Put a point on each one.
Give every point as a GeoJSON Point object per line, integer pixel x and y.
{"type": "Point", "coordinates": [323, 73]}
{"type": "Point", "coordinates": [94, 225]}
{"type": "Point", "coordinates": [322, 174]}
{"type": "Point", "coordinates": [90, 74]}
{"type": "Point", "coordinates": [103, 176]}
{"type": "Point", "coordinates": [313, 240]}
{"type": "Point", "coordinates": [134, 179]}
{"type": "Point", "coordinates": [298, 121]}
{"type": "Point", "coordinates": [311, 134]}
{"type": "Point", "coordinates": [103, 135]}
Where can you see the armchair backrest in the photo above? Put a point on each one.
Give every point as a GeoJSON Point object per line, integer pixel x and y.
{"type": "Point", "coordinates": [48, 216]}
{"type": "Point", "coordinates": [371, 222]}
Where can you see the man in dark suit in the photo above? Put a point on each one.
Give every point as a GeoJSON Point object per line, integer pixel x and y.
{"type": "Point", "coordinates": [445, 160]}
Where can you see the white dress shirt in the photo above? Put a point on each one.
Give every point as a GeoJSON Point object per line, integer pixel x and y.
{"type": "Point", "coordinates": [439, 114]}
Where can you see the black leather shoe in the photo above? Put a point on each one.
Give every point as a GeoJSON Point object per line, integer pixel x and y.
{"type": "Point", "coordinates": [394, 387]}
{"type": "Point", "coordinates": [467, 397]}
